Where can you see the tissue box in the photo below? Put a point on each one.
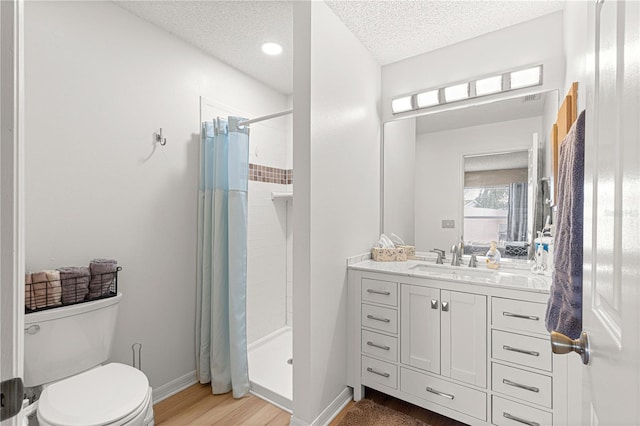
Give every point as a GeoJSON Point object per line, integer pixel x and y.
{"type": "Point", "coordinates": [388, 254]}
{"type": "Point", "coordinates": [410, 250]}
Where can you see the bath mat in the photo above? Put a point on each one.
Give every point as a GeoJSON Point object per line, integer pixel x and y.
{"type": "Point", "coordinates": [367, 413]}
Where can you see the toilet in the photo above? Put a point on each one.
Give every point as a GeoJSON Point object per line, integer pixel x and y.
{"type": "Point", "coordinates": [65, 351]}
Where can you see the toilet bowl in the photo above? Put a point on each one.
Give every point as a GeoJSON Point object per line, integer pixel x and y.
{"type": "Point", "coordinates": [66, 350]}
{"type": "Point", "coordinates": [113, 394]}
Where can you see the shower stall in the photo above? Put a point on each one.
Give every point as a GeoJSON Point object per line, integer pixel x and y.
{"type": "Point", "coordinates": [269, 279]}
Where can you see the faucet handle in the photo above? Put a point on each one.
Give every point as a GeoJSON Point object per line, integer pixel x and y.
{"type": "Point", "coordinates": [440, 255]}
{"type": "Point", "coordinates": [442, 252]}
{"type": "Point", "coordinates": [473, 261]}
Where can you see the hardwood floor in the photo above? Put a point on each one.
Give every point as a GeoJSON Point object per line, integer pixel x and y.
{"type": "Point", "coordinates": [197, 406]}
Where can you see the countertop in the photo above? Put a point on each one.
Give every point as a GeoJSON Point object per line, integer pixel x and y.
{"type": "Point", "coordinates": [512, 276]}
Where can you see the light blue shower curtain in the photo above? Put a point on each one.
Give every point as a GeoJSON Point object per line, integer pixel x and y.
{"type": "Point", "coordinates": [221, 335]}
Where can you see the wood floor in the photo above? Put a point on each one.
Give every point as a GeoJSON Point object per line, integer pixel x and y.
{"type": "Point", "coordinates": [197, 406]}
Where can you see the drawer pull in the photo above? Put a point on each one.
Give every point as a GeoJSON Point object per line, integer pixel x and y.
{"type": "Point", "coordinates": [529, 317]}
{"type": "Point", "coordinates": [375, 345]}
{"type": "Point", "coordinates": [384, 293]}
{"type": "Point", "coordinates": [521, 386]}
{"type": "Point", "coordinates": [371, 370]}
{"type": "Point", "coordinates": [521, 351]}
{"type": "Point", "coordinates": [445, 395]}
{"type": "Point", "coordinates": [378, 318]}
{"type": "Point", "coordinates": [519, 420]}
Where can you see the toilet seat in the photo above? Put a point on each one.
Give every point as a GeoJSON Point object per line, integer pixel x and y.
{"type": "Point", "coordinates": [112, 394]}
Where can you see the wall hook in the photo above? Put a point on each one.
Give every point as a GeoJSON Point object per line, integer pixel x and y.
{"type": "Point", "coordinates": [162, 141]}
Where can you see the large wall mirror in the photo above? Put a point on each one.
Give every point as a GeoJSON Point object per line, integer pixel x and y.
{"type": "Point", "coordinates": [480, 173]}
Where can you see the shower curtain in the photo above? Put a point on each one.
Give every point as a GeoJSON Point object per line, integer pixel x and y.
{"type": "Point", "coordinates": [517, 213]}
{"type": "Point", "coordinates": [221, 335]}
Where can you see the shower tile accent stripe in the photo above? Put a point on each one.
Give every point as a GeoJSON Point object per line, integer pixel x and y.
{"type": "Point", "coordinates": [260, 173]}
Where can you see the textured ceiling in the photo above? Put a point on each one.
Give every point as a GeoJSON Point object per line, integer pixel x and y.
{"type": "Point", "coordinates": [392, 30]}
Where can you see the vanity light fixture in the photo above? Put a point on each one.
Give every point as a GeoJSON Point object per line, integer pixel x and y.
{"type": "Point", "coordinates": [497, 83]}
{"type": "Point", "coordinates": [402, 104]}
{"type": "Point", "coordinates": [525, 78]}
{"type": "Point", "coordinates": [457, 92]}
{"type": "Point", "coordinates": [487, 86]}
{"type": "Point", "coordinates": [271, 48]}
{"type": "Point", "coordinates": [427, 99]}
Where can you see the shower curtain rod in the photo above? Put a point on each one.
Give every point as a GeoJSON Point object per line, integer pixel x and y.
{"type": "Point", "coordinates": [265, 117]}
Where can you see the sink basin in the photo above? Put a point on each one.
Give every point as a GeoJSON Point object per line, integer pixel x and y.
{"type": "Point", "coordinates": [481, 276]}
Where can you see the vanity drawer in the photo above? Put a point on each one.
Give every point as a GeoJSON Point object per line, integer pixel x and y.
{"type": "Point", "coordinates": [518, 315]}
{"type": "Point", "coordinates": [380, 345]}
{"type": "Point", "coordinates": [379, 372]}
{"type": "Point", "coordinates": [531, 387]}
{"type": "Point", "coordinates": [525, 350]}
{"type": "Point", "coordinates": [509, 413]}
{"type": "Point", "coordinates": [456, 397]}
{"type": "Point", "coordinates": [380, 318]}
{"type": "Point", "coordinates": [378, 291]}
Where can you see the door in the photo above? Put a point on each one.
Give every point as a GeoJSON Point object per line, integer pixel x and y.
{"type": "Point", "coordinates": [464, 337]}
{"type": "Point", "coordinates": [611, 293]}
{"type": "Point", "coordinates": [11, 210]}
{"type": "Point", "coordinates": [420, 327]}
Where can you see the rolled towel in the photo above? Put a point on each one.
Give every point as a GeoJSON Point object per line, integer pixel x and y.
{"type": "Point", "coordinates": [29, 296]}
{"type": "Point", "coordinates": [53, 288]}
{"type": "Point", "coordinates": [75, 283]}
{"type": "Point", "coordinates": [102, 276]}
{"type": "Point", "coordinates": [39, 290]}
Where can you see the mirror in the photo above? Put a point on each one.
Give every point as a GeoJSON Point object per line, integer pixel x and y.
{"type": "Point", "coordinates": [425, 159]}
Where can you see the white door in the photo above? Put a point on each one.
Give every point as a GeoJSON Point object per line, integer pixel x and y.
{"type": "Point", "coordinates": [11, 186]}
{"type": "Point", "coordinates": [611, 299]}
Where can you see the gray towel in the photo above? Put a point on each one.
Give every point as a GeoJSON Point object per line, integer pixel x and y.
{"type": "Point", "coordinates": [564, 309]}
{"type": "Point", "coordinates": [102, 275]}
{"type": "Point", "coordinates": [75, 283]}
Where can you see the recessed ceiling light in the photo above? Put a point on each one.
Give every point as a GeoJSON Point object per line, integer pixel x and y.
{"type": "Point", "coordinates": [271, 48]}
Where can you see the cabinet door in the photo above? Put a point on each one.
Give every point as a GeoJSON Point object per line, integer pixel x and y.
{"type": "Point", "coordinates": [420, 327]}
{"type": "Point", "coordinates": [464, 337]}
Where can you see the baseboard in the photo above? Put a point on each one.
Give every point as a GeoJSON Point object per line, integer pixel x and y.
{"type": "Point", "coordinates": [328, 413]}
{"type": "Point", "coordinates": [174, 386]}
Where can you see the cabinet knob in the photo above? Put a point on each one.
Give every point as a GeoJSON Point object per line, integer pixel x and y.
{"type": "Point", "coordinates": [434, 303]}
{"type": "Point", "coordinates": [445, 306]}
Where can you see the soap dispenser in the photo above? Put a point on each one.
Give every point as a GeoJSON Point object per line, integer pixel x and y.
{"type": "Point", "coordinates": [493, 256]}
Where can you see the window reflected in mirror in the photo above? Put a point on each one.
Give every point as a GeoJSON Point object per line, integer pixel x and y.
{"type": "Point", "coordinates": [496, 203]}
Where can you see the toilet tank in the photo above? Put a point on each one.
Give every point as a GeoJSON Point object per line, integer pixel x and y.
{"type": "Point", "coordinates": [64, 341]}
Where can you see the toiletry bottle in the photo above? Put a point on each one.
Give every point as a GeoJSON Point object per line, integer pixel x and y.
{"type": "Point", "coordinates": [493, 256]}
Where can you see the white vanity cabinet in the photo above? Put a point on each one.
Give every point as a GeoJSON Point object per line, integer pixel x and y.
{"type": "Point", "coordinates": [444, 332]}
{"type": "Point", "coordinates": [477, 353]}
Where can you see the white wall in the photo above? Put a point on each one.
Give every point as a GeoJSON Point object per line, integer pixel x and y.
{"type": "Point", "coordinates": [100, 81]}
{"type": "Point", "coordinates": [575, 47]}
{"type": "Point", "coordinates": [538, 41]}
{"type": "Point", "coordinates": [337, 187]}
{"type": "Point", "coordinates": [399, 178]}
{"type": "Point", "coordinates": [439, 171]}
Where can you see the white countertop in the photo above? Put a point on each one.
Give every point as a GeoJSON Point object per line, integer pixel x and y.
{"type": "Point", "coordinates": [505, 277]}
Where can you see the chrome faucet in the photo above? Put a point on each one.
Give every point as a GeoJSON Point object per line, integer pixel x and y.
{"type": "Point", "coordinates": [455, 260]}
{"type": "Point", "coordinates": [440, 254]}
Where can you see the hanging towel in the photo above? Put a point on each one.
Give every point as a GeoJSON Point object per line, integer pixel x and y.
{"type": "Point", "coordinates": [564, 309]}
{"type": "Point", "coordinates": [102, 275]}
{"type": "Point", "coordinates": [75, 283]}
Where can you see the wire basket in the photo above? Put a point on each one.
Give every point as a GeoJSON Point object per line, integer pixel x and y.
{"type": "Point", "coordinates": [55, 292]}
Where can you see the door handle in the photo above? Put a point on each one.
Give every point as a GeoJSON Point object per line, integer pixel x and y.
{"type": "Point", "coordinates": [561, 344]}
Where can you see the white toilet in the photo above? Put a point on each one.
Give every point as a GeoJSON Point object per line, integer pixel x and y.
{"type": "Point", "coordinates": [64, 351]}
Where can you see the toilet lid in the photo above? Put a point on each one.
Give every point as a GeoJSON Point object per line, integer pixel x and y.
{"type": "Point", "coordinates": [94, 398]}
